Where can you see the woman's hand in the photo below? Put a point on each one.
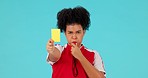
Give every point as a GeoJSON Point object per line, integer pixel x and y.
{"type": "Point", "coordinates": [75, 51]}
{"type": "Point", "coordinates": [50, 46]}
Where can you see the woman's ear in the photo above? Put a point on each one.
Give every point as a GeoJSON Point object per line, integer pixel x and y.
{"type": "Point", "coordinates": [64, 32]}
{"type": "Point", "coordinates": [84, 32]}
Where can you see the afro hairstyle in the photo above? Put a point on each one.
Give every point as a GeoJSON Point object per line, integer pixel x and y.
{"type": "Point", "coordinates": [76, 15]}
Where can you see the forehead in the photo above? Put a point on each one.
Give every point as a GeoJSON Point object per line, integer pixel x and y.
{"type": "Point", "coordinates": [73, 27]}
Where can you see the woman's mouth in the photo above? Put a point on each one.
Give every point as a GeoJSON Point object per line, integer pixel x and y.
{"type": "Point", "coordinates": [74, 42]}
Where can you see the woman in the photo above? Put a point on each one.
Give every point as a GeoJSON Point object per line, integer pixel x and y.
{"type": "Point", "coordinates": [74, 60]}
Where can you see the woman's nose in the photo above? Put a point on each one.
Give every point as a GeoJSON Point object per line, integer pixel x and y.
{"type": "Point", "coordinates": [74, 36]}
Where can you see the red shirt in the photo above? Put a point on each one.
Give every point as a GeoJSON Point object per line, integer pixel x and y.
{"type": "Point", "coordinates": [64, 67]}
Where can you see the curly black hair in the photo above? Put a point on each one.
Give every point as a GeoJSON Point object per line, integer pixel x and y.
{"type": "Point", "coordinates": [77, 15]}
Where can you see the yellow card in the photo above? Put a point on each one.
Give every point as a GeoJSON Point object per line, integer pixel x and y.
{"type": "Point", "coordinates": [55, 35]}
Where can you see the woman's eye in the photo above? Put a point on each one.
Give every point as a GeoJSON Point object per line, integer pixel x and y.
{"type": "Point", "coordinates": [69, 32]}
{"type": "Point", "coordinates": [78, 32]}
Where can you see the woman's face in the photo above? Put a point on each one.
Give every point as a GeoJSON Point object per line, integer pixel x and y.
{"type": "Point", "coordinates": [74, 34]}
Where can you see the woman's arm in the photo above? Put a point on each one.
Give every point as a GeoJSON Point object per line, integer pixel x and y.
{"type": "Point", "coordinates": [54, 53]}
{"type": "Point", "coordinates": [90, 70]}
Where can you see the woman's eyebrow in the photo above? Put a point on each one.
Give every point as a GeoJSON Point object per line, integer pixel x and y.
{"type": "Point", "coordinates": [78, 31]}
{"type": "Point", "coordinates": [70, 31]}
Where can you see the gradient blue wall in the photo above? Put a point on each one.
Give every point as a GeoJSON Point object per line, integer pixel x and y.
{"type": "Point", "coordinates": [118, 31]}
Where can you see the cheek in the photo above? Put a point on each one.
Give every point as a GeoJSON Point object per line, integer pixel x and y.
{"type": "Point", "coordinates": [80, 38]}
{"type": "Point", "coordinates": [68, 37]}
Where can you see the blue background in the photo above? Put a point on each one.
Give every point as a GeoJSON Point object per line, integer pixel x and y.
{"type": "Point", "coordinates": [118, 31]}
